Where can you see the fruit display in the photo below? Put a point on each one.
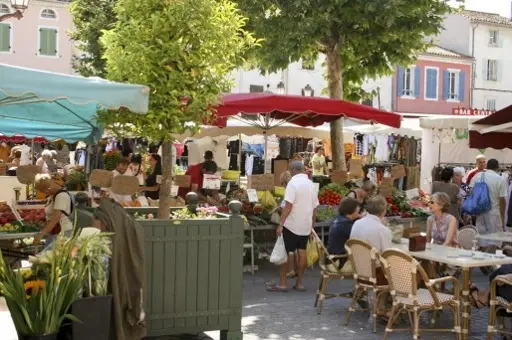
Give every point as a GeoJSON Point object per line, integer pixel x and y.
{"type": "Point", "coordinates": [332, 194]}
{"type": "Point", "coordinates": [326, 214]}
{"type": "Point", "coordinates": [33, 219]}
{"type": "Point", "coordinates": [266, 199]}
{"type": "Point", "coordinates": [8, 221]}
{"type": "Point", "coordinates": [399, 205]}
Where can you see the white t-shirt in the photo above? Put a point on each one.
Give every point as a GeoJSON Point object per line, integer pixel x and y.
{"type": "Point", "coordinates": [318, 162]}
{"type": "Point", "coordinates": [63, 203]}
{"type": "Point", "coordinates": [496, 184]}
{"type": "Point", "coordinates": [121, 198]}
{"type": "Point", "coordinates": [25, 155]}
{"type": "Point", "coordinates": [371, 230]}
{"type": "Point", "coordinates": [301, 192]}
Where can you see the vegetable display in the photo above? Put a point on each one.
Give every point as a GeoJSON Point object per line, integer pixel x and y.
{"type": "Point", "coordinates": [399, 205]}
{"type": "Point", "coordinates": [332, 194]}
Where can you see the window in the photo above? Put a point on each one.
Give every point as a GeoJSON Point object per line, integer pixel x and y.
{"type": "Point", "coordinates": [490, 104]}
{"type": "Point", "coordinates": [48, 14]}
{"type": "Point", "coordinates": [48, 41]}
{"type": "Point", "coordinates": [256, 88]}
{"type": "Point", "coordinates": [408, 81]}
{"type": "Point", "coordinates": [431, 83]}
{"type": "Point", "coordinates": [4, 9]}
{"type": "Point", "coordinates": [494, 38]}
{"type": "Point", "coordinates": [5, 37]}
{"type": "Point", "coordinates": [454, 85]}
{"type": "Point", "coordinates": [492, 70]}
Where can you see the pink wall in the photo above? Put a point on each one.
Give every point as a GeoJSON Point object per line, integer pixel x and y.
{"type": "Point", "coordinates": [25, 35]}
{"type": "Point", "coordinates": [439, 106]}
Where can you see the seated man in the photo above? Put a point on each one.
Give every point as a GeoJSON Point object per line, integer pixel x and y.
{"type": "Point", "coordinates": [341, 227]}
{"type": "Point", "coordinates": [196, 173]}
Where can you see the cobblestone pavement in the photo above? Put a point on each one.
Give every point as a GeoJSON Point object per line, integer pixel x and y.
{"type": "Point", "coordinates": [291, 315]}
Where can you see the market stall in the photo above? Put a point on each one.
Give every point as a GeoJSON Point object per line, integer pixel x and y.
{"type": "Point", "coordinates": [38, 104]}
{"type": "Point", "coordinates": [446, 142]}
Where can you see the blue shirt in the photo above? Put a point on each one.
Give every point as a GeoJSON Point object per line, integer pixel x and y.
{"type": "Point", "coordinates": [339, 234]}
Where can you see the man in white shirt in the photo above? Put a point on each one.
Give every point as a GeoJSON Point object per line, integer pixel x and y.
{"type": "Point", "coordinates": [371, 229]}
{"type": "Point", "coordinates": [121, 170]}
{"type": "Point", "coordinates": [297, 220]}
{"type": "Point", "coordinates": [494, 220]}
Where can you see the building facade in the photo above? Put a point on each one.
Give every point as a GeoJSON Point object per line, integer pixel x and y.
{"type": "Point", "coordinates": [40, 39]}
{"type": "Point", "coordinates": [488, 39]}
{"type": "Point", "coordinates": [438, 82]}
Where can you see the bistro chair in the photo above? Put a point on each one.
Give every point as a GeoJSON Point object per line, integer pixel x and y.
{"type": "Point", "coordinates": [403, 273]}
{"type": "Point", "coordinates": [329, 270]}
{"type": "Point", "coordinates": [498, 304]}
{"type": "Point", "coordinates": [465, 237]}
{"type": "Point", "coordinates": [365, 260]}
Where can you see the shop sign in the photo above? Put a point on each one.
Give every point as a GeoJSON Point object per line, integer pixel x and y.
{"type": "Point", "coordinates": [261, 182]}
{"type": "Point", "coordinates": [460, 111]}
{"type": "Point", "coordinates": [211, 182]}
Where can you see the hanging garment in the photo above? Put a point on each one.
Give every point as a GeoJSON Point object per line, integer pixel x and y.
{"type": "Point", "coordinates": [411, 159]}
{"type": "Point", "coordinates": [25, 155]}
{"type": "Point", "coordinates": [418, 151]}
{"type": "Point", "coordinates": [249, 163]}
{"type": "Point", "coordinates": [285, 147]}
{"type": "Point", "coordinates": [508, 215]}
{"type": "Point", "coordinates": [358, 143]}
{"type": "Point", "coordinates": [366, 145]}
{"type": "Point", "coordinates": [372, 175]}
{"type": "Point", "coordinates": [382, 150]}
{"type": "Point", "coordinates": [233, 161]}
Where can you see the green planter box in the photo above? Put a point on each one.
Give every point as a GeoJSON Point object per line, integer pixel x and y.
{"type": "Point", "coordinates": [194, 275]}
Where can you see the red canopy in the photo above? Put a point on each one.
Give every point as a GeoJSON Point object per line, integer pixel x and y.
{"type": "Point", "coordinates": [500, 138]}
{"type": "Point", "coordinates": [302, 111]}
{"type": "Point", "coordinates": [21, 139]}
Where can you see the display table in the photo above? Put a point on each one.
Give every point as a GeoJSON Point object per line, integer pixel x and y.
{"type": "Point", "coordinates": [8, 183]}
{"type": "Point", "coordinates": [14, 252]}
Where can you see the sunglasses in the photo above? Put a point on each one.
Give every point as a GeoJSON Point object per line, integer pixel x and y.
{"type": "Point", "coordinates": [432, 202]}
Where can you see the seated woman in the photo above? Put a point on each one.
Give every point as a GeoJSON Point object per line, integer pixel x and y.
{"type": "Point", "coordinates": [341, 227]}
{"type": "Point", "coordinates": [450, 189]}
{"type": "Point", "coordinates": [441, 226]}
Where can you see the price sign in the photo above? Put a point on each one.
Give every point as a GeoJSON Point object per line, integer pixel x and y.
{"type": "Point", "coordinates": [398, 171]}
{"type": "Point", "coordinates": [183, 181]}
{"type": "Point", "coordinates": [211, 182]}
{"type": "Point", "coordinates": [413, 193]}
{"type": "Point", "coordinates": [338, 176]}
{"type": "Point", "coordinates": [158, 179]}
{"type": "Point", "coordinates": [252, 195]}
{"type": "Point", "coordinates": [174, 190]}
{"type": "Point", "coordinates": [261, 182]}
{"type": "Point", "coordinates": [356, 168]}
{"type": "Point", "coordinates": [386, 187]}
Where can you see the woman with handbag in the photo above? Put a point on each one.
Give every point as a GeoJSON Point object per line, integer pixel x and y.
{"type": "Point", "coordinates": [58, 209]}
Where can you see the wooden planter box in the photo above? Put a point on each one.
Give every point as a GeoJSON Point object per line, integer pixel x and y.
{"type": "Point", "coordinates": [194, 275]}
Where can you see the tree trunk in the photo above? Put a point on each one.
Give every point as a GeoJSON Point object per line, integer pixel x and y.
{"type": "Point", "coordinates": [335, 86]}
{"type": "Point", "coordinates": [166, 184]}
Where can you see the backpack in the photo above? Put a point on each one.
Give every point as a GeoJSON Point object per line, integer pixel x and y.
{"type": "Point", "coordinates": [71, 216]}
{"type": "Point", "coordinates": [479, 202]}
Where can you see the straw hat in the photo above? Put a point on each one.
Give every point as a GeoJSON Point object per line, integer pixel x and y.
{"type": "Point", "coordinates": [26, 174]}
{"type": "Point", "coordinates": [101, 178]}
{"type": "Point", "coordinates": [125, 185]}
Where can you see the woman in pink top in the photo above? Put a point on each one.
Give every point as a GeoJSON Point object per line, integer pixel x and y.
{"type": "Point", "coordinates": [441, 226]}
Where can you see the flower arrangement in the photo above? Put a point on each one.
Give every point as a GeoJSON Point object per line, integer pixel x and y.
{"type": "Point", "coordinates": [110, 159]}
{"type": "Point", "coordinates": [207, 212]}
{"type": "Point", "coordinates": [39, 298]}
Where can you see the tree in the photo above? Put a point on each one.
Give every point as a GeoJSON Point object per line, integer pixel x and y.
{"type": "Point", "coordinates": [184, 51]}
{"type": "Point", "coordinates": [90, 18]}
{"type": "Point", "coordinates": [360, 39]}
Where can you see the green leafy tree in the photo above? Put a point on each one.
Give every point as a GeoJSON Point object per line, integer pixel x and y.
{"type": "Point", "coordinates": [184, 51]}
{"type": "Point", "coordinates": [360, 39]}
{"type": "Point", "coordinates": [90, 18]}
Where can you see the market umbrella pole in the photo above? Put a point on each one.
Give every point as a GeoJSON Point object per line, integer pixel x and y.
{"type": "Point", "coordinates": [265, 134]}
{"type": "Point", "coordinates": [32, 161]}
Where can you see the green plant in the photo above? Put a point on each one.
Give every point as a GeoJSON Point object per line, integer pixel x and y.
{"type": "Point", "coordinates": [41, 305]}
{"type": "Point", "coordinates": [76, 180]}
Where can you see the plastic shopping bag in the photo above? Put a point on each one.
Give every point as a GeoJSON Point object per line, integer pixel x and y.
{"type": "Point", "coordinates": [311, 253]}
{"type": "Point", "coordinates": [279, 254]}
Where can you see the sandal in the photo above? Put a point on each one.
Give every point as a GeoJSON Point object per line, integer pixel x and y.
{"type": "Point", "coordinates": [474, 298]}
{"type": "Point", "coordinates": [300, 288]}
{"type": "Point", "coordinates": [277, 289]}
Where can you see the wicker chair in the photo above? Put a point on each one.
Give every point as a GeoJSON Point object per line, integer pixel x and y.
{"type": "Point", "coordinates": [402, 272]}
{"type": "Point", "coordinates": [466, 236]}
{"type": "Point", "coordinates": [497, 304]}
{"type": "Point", "coordinates": [329, 270]}
{"type": "Point", "coordinates": [365, 260]}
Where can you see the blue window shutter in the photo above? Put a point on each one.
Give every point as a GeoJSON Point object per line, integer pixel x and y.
{"type": "Point", "coordinates": [400, 81]}
{"type": "Point", "coordinates": [417, 78]}
{"type": "Point", "coordinates": [446, 84]}
{"type": "Point", "coordinates": [462, 85]}
{"type": "Point", "coordinates": [431, 76]}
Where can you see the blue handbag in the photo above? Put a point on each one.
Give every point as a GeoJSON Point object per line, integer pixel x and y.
{"type": "Point", "coordinates": [479, 202]}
